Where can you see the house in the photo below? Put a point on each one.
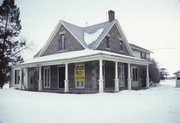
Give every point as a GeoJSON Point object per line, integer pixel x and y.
{"type": "Point", "coordinates": [177, 74]}
{"type": "Point", "coordinates": [95, 58]}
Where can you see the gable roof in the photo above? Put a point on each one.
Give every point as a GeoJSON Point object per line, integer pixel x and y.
{"type": "Point", "coordinates": [89, 37]}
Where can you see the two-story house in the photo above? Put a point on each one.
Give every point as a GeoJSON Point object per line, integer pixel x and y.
{"type": "Point", "coordinates": [95, 58]}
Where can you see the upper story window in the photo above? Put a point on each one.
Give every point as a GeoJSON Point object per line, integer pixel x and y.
{"type": "Point", "coordinates": [107, 42]}
{"type": "Point", "coordinates": [62, 42]}
{"type": "Point", "coordinates": [121, 45]}
{"type": "Point", "coordinates": [143, 55]}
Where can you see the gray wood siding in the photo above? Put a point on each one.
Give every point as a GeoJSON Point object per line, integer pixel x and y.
{"type": "Point", "coordinates": [113, 42]}
{"type": "Point", "coordinates": [71, 44]}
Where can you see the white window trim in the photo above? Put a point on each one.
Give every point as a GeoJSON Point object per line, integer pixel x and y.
{"type": "Point", "coordinates": [63, 32]}
{"type": "Point", "coordinates": [121, 50]}
{"type": "Point", "coordinates": [134, 67]}
{"type": "Point", "coordinates": [59, 48]}
{"type": "Point", "coordinates": [108, 42]}
{"type": "Point", "coordinates": [44, 77]}
{"type": "Point", "coordinates": [76, 65]}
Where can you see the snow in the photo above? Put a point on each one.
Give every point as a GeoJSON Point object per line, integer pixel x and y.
{"type": "Point", "coordinates": [159, 104]}
{"type": "Point", "coordinates": [89, 38]}
{"type": "Point", "coordinates": [75, 55]}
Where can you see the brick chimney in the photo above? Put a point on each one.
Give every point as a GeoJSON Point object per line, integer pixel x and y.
{"type": "Point", "coordinates": [111, 15]}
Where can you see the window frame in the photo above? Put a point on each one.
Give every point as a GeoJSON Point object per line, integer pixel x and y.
{"type": "Point", "coordinates": [107, 42]}
{"type": "Point", "coordinates": [16, 76]}
{"type": "Point", "coordinates": [121, 45]}
{"type": "Point", "coordinates": [82, 84]}
{"type": "Point", "coordinates": [134, 74]}
{"type": "Point", "coordinates": [61, 42]}
{"type": "Point", "coordinates": [143, 55]}
{"type": "Point", "coordinates": [48, 83]}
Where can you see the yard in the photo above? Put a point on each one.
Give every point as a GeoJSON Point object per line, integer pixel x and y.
{"type": "Point", "coordinates": [159, 104]}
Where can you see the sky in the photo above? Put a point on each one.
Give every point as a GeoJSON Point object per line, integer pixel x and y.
{"type": "Point", "coordinates": [152, 24]}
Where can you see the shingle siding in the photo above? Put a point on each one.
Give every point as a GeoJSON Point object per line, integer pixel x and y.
{"type": "Point", "coordinates": [71, 44]}
{"type": "Point", "coordinates": [114, 38]}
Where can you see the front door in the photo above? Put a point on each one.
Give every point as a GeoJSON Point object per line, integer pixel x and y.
{"type": "Point", "coordinates": [61, 76]}
{"type": "Point", "coordinates": [121, 76]}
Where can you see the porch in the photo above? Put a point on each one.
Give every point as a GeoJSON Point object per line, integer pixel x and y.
{"type": "Point", "coordinates": [100, 73]}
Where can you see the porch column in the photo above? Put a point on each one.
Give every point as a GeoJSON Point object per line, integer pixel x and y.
{"type": "Point", "coordinates": [147, 76]}
{"type": "Point", "coordinates": [116, 77]}
{"type": "Point", "coordinates": [66, 81]}
{"type": "Point", "coordinates": [129, 76]}
{"type": "Point", "coordinates": [40, 79]}
{"type": "Point", "coordinates": [25, 78]}
{"type": "Point", "coordinates": [101, 86]}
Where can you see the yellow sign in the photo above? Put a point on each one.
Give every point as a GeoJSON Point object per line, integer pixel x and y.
{"type": "Point", "coordinates": [79, 74]}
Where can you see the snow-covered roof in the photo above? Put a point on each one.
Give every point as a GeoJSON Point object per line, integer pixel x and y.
{"type": "Point", "coordinates": [133, 46]}
{"type": "Point", "coordinates": [90, 36]}
{"type": "Point", "coordinates": [177, 72]}
{"type": "Point", "coordinates": [77, 54]}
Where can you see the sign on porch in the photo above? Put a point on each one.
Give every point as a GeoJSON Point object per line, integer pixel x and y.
{"type": "Point", "coordinates": [79, 74]}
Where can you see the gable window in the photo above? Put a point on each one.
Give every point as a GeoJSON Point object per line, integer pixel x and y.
{"type": "Point", "coordinates": [17, 76]}
{"type": "Point", "coordinates": [46, 77]}
{"type": "Point", "coordinates": [107, 42]}
{"type": "Point", "coordinates": [121, 45]}
{"type": "Point", "coordinates": [62, 42]}
{"type": "Point", "coordinates": [134, 74]}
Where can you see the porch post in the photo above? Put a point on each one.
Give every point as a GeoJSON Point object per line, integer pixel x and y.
{"type": "Point", "coordinates": [147, 76]}
{"type": "Point", "coordinates": [40, 79]}
{"type": "Point", "coordinates": [66, 81]}
{"type": "Point", "coordinates": [101, 86]}
{"type": "Point", "coordinates": [116, 77]}
{"type": "Point", "coordinates": [129, 76]}
{"type": "Point", "coordinates": [26, 78]}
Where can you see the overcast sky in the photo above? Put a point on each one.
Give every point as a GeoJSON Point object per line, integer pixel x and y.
{"type": "Point", "coordinates": [152, 24]}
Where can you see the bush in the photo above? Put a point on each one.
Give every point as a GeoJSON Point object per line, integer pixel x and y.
{"type": "Point", "coordinates": [154, 75]}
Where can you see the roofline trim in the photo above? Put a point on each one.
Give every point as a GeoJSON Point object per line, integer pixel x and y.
{"type": "Point", "coordinates": [50, 38]}
{"type": "Point", "coordinates": [124, 37]}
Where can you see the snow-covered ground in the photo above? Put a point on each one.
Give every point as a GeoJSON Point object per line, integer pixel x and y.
{"type": "Point", "coordinates": [160, 104]}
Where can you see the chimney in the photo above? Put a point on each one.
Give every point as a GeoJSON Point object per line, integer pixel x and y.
{"type": "Point", "coordinates": [111, 15]}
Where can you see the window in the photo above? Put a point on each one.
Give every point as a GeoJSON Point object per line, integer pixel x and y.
{"type": "Point", "coordinates": [134, 72]}
{"type": "Point", "coordinates": [143, 55]}
{"type": "Point", "coordinates": [121, 45]}
{"type": "Point", "coordinates": [107, 42]}
{"type": "Point", "coordinates": [79, 76]}
{"type": "Point", "coordinates": [22, 74]}
{"type": "Point", "coordinates": [46, 77]}
{"type": "Point", "coordinates": [17, 76]}
{"type": "Point", "coordinates": [80, 84]}
{"type": "Point", "coordinates": [62, 42]}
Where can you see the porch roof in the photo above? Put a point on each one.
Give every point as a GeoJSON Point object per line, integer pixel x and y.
{"type": "Point", "coordinates": [73, 55]}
